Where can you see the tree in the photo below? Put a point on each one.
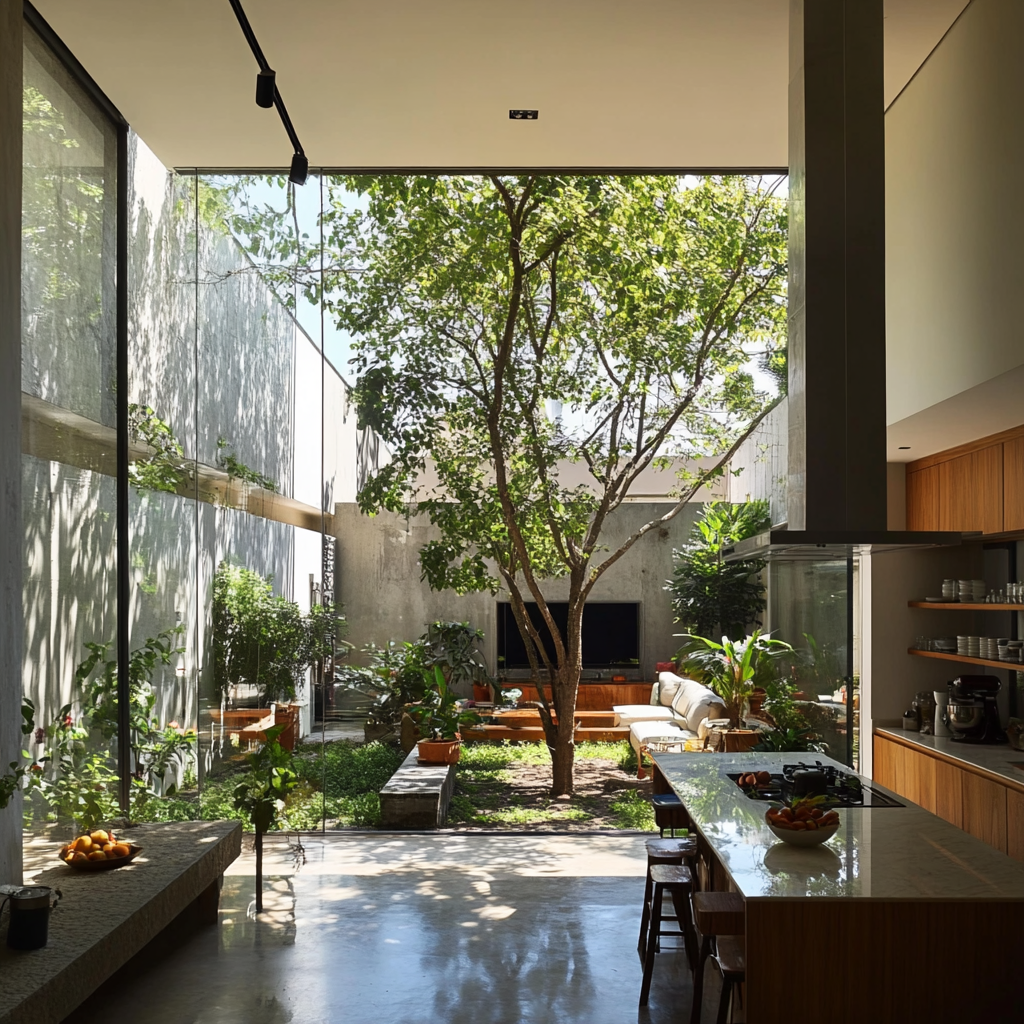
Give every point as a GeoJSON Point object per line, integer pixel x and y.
{"type": "Point", "coordinates": [508, 327]}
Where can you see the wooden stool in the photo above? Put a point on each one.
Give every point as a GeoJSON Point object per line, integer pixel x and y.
{"type": "Point", "coordinates": [662, 851]}
{"type": "Point", "coordinates": [669, 813]}
{"type": "Point", "coordinates": [714, 914]}
{"type": "Point", "coordinates": [666, 878]}
{"type": "Point", "coordinates": [730, 959]}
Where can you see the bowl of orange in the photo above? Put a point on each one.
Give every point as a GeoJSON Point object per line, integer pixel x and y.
{"type": "Point", "coordinates": [802, 823]}
{"type": "Point", "coordinates": [100, 850]}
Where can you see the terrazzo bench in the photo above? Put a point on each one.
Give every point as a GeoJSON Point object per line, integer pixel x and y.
{"type": "Point", "coordinates": [417, 795]}
{"type": "Point", "coordinates": [106, 917]}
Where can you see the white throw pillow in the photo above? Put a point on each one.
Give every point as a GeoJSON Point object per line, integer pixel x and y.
{"type": "Point", "coordinates": [668, 687]}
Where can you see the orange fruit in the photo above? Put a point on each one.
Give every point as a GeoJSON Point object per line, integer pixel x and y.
{"type": "Point", "coordinates": [97, 855]}
{"type": "Point", "coordinates": [79, 857]}
{"type": "Point", "coordinates": [99, 836]}
{"type": "Point", "coordinates": [121, 850]}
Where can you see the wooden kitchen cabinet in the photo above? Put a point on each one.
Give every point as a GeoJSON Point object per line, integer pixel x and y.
{"type": "Point", "coordinates": [1013, 484]}
{"type": "Point", "coordinates": [923, 499]}
{"type": "Point", "coordinates": [949, 800]}
{"type": "Point", "coordinates": [984, 809]}
{"type": "Point", "coordinates": [971, 491]}
{"type": "Point", "coordinates": [1015, 824]}
{"type": "Point", "coordinates": [989, 809]}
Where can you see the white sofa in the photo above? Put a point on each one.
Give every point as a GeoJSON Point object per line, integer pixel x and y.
{"type": "Point", "coordinates": [678, 707]}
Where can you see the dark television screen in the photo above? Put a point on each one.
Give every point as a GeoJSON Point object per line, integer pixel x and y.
{"type": "Point", "coordinates": [611, 633]}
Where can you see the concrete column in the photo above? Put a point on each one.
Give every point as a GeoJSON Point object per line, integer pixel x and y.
{"type": "Point", "coordinates": [837, 474]}
{"type": "Point", "coordinates": [11, 539]}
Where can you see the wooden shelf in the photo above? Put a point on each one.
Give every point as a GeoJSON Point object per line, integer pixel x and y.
{"type": "Point", "coordinates": [1009, 666]}
{"type": "Point", "coordinates": [956, 605]}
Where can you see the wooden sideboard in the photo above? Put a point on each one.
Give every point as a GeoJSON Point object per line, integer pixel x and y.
{"type": "Point", "coordinates": [985, 805]}
{"type": "Point", "coordinates": [974, 487]}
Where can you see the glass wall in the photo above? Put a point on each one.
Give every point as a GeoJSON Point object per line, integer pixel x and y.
{"type": "Point", "coordinates": [813, 605]}
{"type": "Point", "coordinates": [68, 418]}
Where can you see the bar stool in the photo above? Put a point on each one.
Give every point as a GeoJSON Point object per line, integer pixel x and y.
{"type": "Point", "coordinates": [715, 914]}
{"type": "Point", "coordinates": [730, 959]}
{"type": "Point", "coordinates": [664, 851]}
{"type": "Point", "coordinates": [674, 879]}
{"type": "Point", "coordinates": [669, 813]}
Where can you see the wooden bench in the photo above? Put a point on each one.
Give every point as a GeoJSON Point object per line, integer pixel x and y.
{"type": "Point", "coordinates": [106, 917]}
{"type": "Point", "coordinates": [417, 795]}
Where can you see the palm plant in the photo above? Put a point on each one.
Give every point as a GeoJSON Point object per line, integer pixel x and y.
{"type": "Point", "coordinates": [732, 668]}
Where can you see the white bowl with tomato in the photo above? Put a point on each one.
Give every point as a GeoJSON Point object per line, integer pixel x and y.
{"type": "Point", "coordinates": [803, 822]}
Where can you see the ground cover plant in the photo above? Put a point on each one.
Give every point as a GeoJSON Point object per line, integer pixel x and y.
{"type": "Point", "coordinates": [507, 785]}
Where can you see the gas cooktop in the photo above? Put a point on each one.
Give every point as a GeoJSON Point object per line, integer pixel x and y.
{"type": "Point", "coordinates": [841, 789]}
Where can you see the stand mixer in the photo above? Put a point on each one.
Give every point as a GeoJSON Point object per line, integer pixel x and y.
{"type": "Point", "coordinates": [972, 714]}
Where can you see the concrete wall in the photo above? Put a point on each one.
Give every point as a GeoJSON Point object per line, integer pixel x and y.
{"type": "Point", "coordinates": [10, 425]}
{"type": "Point", "coordinates": [955, 213]}
{"type": "Point", "coordinates": [379, 579]}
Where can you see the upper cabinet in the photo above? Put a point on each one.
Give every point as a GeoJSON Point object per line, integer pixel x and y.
{"type": "Point", "coordinates": [976, 487]}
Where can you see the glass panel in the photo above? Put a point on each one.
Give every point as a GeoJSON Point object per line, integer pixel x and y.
{"type": "Point", "coordinates": [68, 416]}
{"type": "Point", "coordinates": [165, 605]}
{"type": "Point", "coordinates": [813, 605]}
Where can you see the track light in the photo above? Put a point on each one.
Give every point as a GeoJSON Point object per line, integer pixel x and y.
{"type": "Point", "coordinates": [268, 95]}
{"type": "Point", "coordinates": [300, 169]}
{"type": "Point", "coordinates": [266, 86]}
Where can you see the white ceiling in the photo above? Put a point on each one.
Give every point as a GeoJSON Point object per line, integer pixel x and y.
{"type": "Point", "coordinates": [407, 83]}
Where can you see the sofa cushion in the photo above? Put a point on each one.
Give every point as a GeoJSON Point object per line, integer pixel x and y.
{"type": "Point", "coordinates": [642, 733]}
{"type": "Point", "coordinates": [668, 687]}
{"type": "Point", "coordinates": [630, 713]}
{"type": "Point", "coordinates": [694, 702]}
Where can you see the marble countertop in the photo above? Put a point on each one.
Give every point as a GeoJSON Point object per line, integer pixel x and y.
{"type": "Point", "coordinates": [884, 853]}
{"type": "Point", "coordinates": [995, 758]}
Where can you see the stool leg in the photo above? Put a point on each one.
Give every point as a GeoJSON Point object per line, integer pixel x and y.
{"type": "Point", "coordinates": [698, 979]}
{"type": "Point", "coordinates": [723, 1003]}
{"type": "Point", "coordinates": [645, 918]}
{"type": "Point", "coordinates": [652, 942]}
{"type": "Point", "coordinates": [684, 916]}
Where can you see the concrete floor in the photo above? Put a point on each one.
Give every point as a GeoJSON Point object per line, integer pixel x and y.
{"type": "Point", "coordinates": [458, 929]}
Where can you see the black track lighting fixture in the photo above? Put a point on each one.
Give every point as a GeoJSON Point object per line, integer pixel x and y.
{"type": "Point", "coordinates": [299, 170]}
{"type": "Point", "coordinates": [268, 95]}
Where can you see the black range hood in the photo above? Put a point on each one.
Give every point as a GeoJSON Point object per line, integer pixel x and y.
{"type": "Point", "coordinates": [780, 543]}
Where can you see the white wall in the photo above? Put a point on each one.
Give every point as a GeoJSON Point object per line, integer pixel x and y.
{"type": "Point", "coordinates": [955, 213]}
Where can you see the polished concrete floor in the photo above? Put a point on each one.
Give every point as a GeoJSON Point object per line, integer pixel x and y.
{"type": "Point", "coordinates": [457, 929]}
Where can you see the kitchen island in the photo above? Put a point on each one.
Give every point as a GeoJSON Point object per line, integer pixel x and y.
{"type": "Point", "coordinates": [899, 917]}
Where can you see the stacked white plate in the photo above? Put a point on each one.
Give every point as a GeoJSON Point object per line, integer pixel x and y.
{"type": "Point", "coordinates": [989, 648]}
{"type": "Point", "coordinates": [965, 591]}
{"type": "Point", "coordinates": [949, 590]}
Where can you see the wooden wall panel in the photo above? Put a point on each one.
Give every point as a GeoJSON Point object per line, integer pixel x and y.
{"type": "Point", "coordinates": [922, 766]}
{"type": "Point", "coordinates": [984, 812]}
{"type": "Point", "coordinates": [595, 696]}
{"type": "Point", "coordinates": [1013, 484]}
{"type": "Point", "coordinates": [949, 800]}
{"type": "Point", "coordinates": [1015, 823]}
{"type": "Point", "coordinates": [923, 499]}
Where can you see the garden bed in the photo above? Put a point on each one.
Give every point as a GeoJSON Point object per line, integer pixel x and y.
{"type": "Point", "coordinates": [509, 786]}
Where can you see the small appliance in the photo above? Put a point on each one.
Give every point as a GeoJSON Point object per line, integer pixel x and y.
{"type": "Point", "coordinates": [972, 714]}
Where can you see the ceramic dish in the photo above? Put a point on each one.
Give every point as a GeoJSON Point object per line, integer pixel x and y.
{"type": "Point", "coordinates": [102, 865]}
{"type": "Point", "coordinates": [799, 837]}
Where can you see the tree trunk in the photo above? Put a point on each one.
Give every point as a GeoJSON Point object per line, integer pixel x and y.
{"type": "Point", "coordinates": [563, 692]}
{"type": "Point", "coordinates": [259, 871]}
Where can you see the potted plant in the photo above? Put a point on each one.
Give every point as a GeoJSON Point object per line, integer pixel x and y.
{"type": "Point", "coordinates": [454, 648]}
{"type": "Point", "coordinates": [262, 792]}
{"type": "Point", "coordinates": [438, 717]}
{"type": "Point", "coordinates": [733, 668]}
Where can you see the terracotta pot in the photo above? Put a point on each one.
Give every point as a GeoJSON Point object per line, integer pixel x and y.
{"type": "Point", "coordinates": [481, 693]}
{"type": "Point", "coordinates": [438, 751]}
{"type": "Point", "coordinates": [756, 700]}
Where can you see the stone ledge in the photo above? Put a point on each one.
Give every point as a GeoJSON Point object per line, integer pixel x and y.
{"type": "Point", "coordinates": [417, 795]}
{"type": "Point", "coordinates": [106, 917]}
